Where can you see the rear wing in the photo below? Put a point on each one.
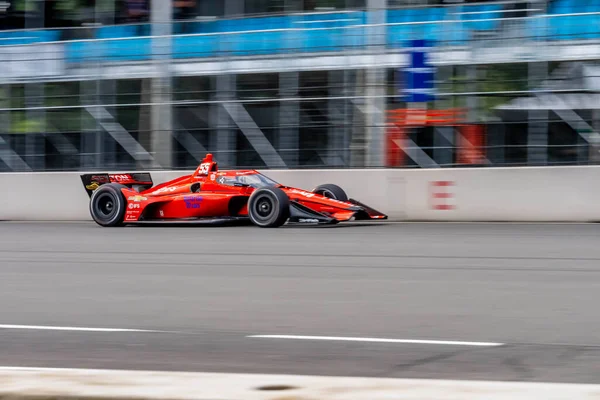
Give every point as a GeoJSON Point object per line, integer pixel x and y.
{"type": "Point", "coordinates": [135, 180]}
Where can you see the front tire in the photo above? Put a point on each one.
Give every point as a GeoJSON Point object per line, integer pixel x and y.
{"type": "Point", "coordinates": [332, 191]}
{"type": "Point", "coordinates": [269, 207]}
{"type": "Point", "coordinates": [108, 205]}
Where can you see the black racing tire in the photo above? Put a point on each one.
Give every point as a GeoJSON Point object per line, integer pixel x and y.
{"type": "Point", "coordinates": [108, 205]}
{"type": "Point", "coordinates": [332, 191]}
{"type": "Point", "coordinates": [269, 207]}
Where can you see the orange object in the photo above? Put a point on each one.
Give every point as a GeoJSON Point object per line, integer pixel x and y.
{"type": "Point", "coordinates": [402, 119]}
{"type": "Point", "coordinates": [471, 145]}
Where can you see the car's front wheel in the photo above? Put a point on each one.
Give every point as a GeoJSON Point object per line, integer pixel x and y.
{"type": "Point", "coordinates": [332, 191]}
{"type": "Point", "coordinates": [269, 207]}
{"type": "Point", "coordinates": [108, 205]}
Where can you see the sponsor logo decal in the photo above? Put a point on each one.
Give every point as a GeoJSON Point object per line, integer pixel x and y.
{"type": "Point", "coordinates": [302, 193]}
{"type": "Point", "coordinates": [134, 206]}
{"type": "Point", "coordinates": [137, 198]}
{"type": "Point", "coordinates": [92, 186]}
{"type": "Point", "coordinates": [121, 178]}
{"type": "Point", "coordinates": [100, 178]}
{"type": "Point", "coordinates": [192, 201]}
{"type": "Point", "coordinates": [308, 220]}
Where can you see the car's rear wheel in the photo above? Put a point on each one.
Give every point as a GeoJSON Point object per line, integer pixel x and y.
{"type": "Point", "coordinates": [332, 191]}
{"type": "Point", "coordinates": [108, 205]}
{"type": "Point", "coordinates": [269, 207]}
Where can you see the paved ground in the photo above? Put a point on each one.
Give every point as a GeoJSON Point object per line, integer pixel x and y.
{"type": "Point", "coordinates": [533, 287]}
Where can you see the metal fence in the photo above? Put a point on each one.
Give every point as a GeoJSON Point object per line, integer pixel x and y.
{"type": "Point", "coordinates": [327, 90]}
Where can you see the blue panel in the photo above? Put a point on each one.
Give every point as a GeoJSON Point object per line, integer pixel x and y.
{"type": "Point", "coordinates": [195, 47]}
{"type": "Point", "coordinates": [397, 34]}
{"type": "Point", "coordinates": [128, 50]}
{"type": "Point", "coordinates": [419, 77]}
{"type": "Point", "coordinates": [119, 31]}
{"type": "Point", "coordinates": [16, 38]}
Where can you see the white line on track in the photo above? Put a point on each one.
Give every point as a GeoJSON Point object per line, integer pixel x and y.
{"type": "Point", "coordinates": [39, 369]}
{"type": "Point", "coordinates": [378, 340]}
{"type": "Point", "coordinates": [72, 328]}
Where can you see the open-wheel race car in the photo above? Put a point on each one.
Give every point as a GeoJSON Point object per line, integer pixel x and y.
{"type": "Point", "coordinates": [210, 196]}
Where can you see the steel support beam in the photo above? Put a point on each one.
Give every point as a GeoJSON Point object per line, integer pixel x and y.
{"type": "Point", "coordinates": [162, 112]}
{"type": "Point", "coordinates": [537, 138]}
{"type": "Point", "coordinates": [443, 136]}
{"type": "Point", "coordinates": [91, 133]}
{"type": "Point", "coordinates": [376, 84]}
{"type": "Point", "coordinates": [121, 136]}
{"type": "Point", "coordinates": [444, 142]}
{"type": "Point", "coordinates": [594, 157]}
{"type": "Point", "coordinates": [337, 120]}
{"type": "Point", "coordinates": [12, 159]}
{"type": "Point", "coordinates": [415, 153]}
{"type": "Point", "coordinates": [585, 131]}
{"type": "Point", "coordinates": [223, 137]}
{"type": "Point", "coordinates": [5, 116]}
{"type": "Point", "coordinates": [189, 142]}
{"type": "Point", "coordinates": [375, 117]}
{"type": "Point", "coordinates": [358, 141]}
{"type": "Point", "coordinates": [255, 136]}
{"type": "Point", "coordinates": [289, 119]}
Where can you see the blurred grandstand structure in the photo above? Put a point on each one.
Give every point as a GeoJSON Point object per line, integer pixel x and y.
{"type": "Point", "coordinates": [155, 84]}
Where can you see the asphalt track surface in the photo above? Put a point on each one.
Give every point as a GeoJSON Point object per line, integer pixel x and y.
{"type": "Point", "coordinates": [533, 287]}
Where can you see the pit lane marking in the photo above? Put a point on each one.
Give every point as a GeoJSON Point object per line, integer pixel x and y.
{"type": "Point", "coordinates": [378, 340]}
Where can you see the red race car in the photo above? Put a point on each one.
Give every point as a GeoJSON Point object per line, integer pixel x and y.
{"type": "Point", "coordinates": [215, 197]}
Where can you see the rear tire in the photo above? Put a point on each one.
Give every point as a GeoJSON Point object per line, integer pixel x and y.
{"type": "Point", "coordinates": [332, 191]}
{"type": "Point", "coordinates": [108, 205]}
{"type": "Point", "coordinates": [269, 207]}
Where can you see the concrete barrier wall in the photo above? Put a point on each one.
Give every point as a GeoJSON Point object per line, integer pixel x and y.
{"type": "Point", "coordinates": [569, 194]}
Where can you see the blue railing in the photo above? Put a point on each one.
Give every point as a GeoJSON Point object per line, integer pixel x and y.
{"type": "Point", "coordinates": [312, 33]}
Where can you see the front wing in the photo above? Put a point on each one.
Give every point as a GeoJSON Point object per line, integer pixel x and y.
{"type": "Point", "coordinates": [300, 213]}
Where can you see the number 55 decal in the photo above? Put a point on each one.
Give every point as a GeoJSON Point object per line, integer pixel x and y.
{"type": "Point", "coordinates": [204, 168]}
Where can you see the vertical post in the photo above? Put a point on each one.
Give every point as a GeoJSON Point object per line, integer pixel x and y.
{"type": "Point", "coordinates": [537, 135]}
{"type": "Point", "coordinates": [472, 101]}
{"type": "Point", "coordinates": [88, 156]}
{"type": "Point", "coordinates": [105, 15]}
{"type": "Point", "coordinates": [162, 110]}
{"type": "Point", "coordinates": [443, 136]}
{"type": "Point", "coordinates": [224, 134]}
{"type": "Point", "coordinates": [349, 112]}
{"type": "Point", "coordinates": [223, 130]}
{"type": "Point", "coordinates": [34, 97]}
{"type": "Point", "coordinates": [337, 125]}
{"type": "Point", "coordinates": [358, 139]}
{"type": "Point", "coordinates": [376, 84]}
{"type": "Point", "coordinates": [289, 118]}
{"type": "Point", "coordinates": [5, 125]}
{"type": "Point", "coordinates": [594, 148]}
